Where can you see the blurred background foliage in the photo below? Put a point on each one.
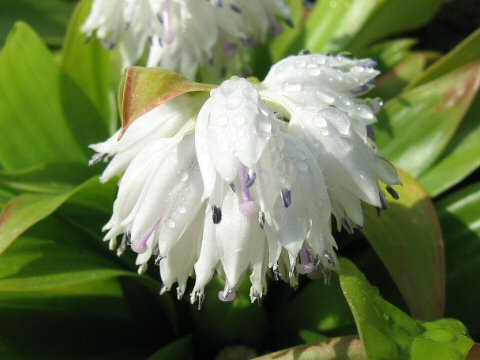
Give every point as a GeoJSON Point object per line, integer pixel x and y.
{"type": "Point", "coordinates": [63, 294]}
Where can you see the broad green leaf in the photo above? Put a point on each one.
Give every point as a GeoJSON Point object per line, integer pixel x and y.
{"type": "Point", "coordinates": [467, 51]}
{"type": "Point", "coordinates": [351, 25]}
{"type": "Point", "coordinates": [32, 119]}
{"type": "Point", "coordinates": [305, 312]}
{"type": "Point", "coordinates": [390, 53]}
{"type": "Point", "coordinates": [408, 240]}
{"type": "Point", "coordinates": [392, 82]}
{"type": "Point", "coordinates": [48, 17]}
{"type": "Point", "coordinates": [25, 210]}
{"type": "Point", "coordinates": [145, 88]}
{"type": "Point", "coordinates": [460, 219]}
{"type": "Point", "coordinates": [415, 127]}
{"type": "Point", "coordinates": [55, 177]}
{"type": "Point", "coordinates": [348, 347]}
{"type": "Point", "coordinates": [389, 333]}
{"type": "Point", "coordinates": [392, 17]}
{"type": "Point", "coordinates": [180, 349]}
{"type": "Point", "coordinates": [460, 157]}
{"type": "Point", "coordinates": [88, 66]}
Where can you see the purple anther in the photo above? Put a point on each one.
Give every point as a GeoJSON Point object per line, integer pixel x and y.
{"type": "Point", "coordinates": [277, 27]}
{"type": "Point", "coordinates": [305, 266]}
{"type": "Point", "coordinates": [286, 197]}
{"type": "Point", "coordinates": [375, 105]}
{"type": "Point", "coordinates": [168, 34]}
{"type": "Point", "coordinates": [371, 63]}
{"type": "Point", "coordinates": [392, 192]}
{"type": "Point", "coordinates": [251, 180]}
{"type": "Point", "coordinates": [248, 207]}
{"type": "Point", "coordinates": [227, 295]}
{"type": "Point", "coordinates": [361, 89]}
{"type": "Point", "coordinates": [371, 132]}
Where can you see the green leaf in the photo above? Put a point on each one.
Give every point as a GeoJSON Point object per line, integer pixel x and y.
{"type": "Point", "coordinates": [179, 350]}
{"type": "Point", "coordinates": [48, 256]}
{"type": "Point", "coordinates": [219, 324]}
{"type": "Point", "coordinates": [459, 158]}
{"type": "Point", "coordinates": [466, 52]}
{"type": "Point", "coordinates": [348, 347]}
{"type": "Point", "coordinates": [415, 127]}
{"type": "Point", "coordinates": [460, 219]}
{"type": "Point", "coordinates": [391, 52]}
{"type": "Point", "coordinates": [32, 120]}
{"type": "Point", "coordinates": [25, 210]}
{"type": "Point", "coordinates": [55, 177]}
{"type": "Point", "coordinates": [408, 240]}
{"type": "Point", "coordinates": [305, 312]}
{"type": "Point", "coordinates": [394, 81]}
{"type": "Point", "coordinates": [145, 88]}
{"type": "Point", "coordinates": [88, 68]}
{"type": "Point", "coordinates": [351, 25]}
{"type": "Point", "coordinates": [48, 17]}
{"type": "Point", "coordinates": [389, 333]}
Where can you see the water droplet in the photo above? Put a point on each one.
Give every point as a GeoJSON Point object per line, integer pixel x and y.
{"type": "Point", "coordinates": [302, 165]}
{"type": "Point", "coordinates": [182, 209]}
{"type": "Point", "coordinates": [327, 99]}
{"type": "Point", "coordinates": [222, 120]}
{"type": "Point", "coordinates": [233, 102]}
{"type": "Point", "coordinates": [184, 176]}
{"type": "Point", "coordinates": [265, 126]}
{"type": "Point", "coordinates": [239, 120]}
{"type": "Point", "coordinates": [319, 122]}
{"type": "Point", "coordinates": [169, 222]}
{"type": "Point", "coordinates": [315, 72]}
{"type": "Point", "coordinates": [292, 87]}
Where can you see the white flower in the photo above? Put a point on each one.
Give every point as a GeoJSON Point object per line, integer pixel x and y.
{"type": "Point", "coordinates": [226, 185]}
{"type": "Point", "coordinates": [318, 94]}
{"type": "Point", "coordinates": [183, 35]}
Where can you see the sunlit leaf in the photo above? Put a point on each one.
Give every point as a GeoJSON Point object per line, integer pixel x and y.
{"type": "Point", "coordinates": [391, 83]}
{"type": "Point", "coordinates": [408, 240]}
{"type": "Point", "coordinates": [89, 68]}
{"type": "Point", "coordinates": [460, 157]}
{"type": "Point", "coordinates": [31, 110]}
{"type": "Point", "coordinates": [389, 333]}
{"type": "Point", "coordinates": [349, 347]}
{"type": "Point", "coordinates": [465, 52]}
{"type": "Point", "coordinates": [145, 88]}
{"type": "Point", "coordinates": [460, 219]}
{"type": "Point", "coordinates": [415, 127]}
{"type": "Point", "coordinates": [25, 210]}
{"type": "Point", "coordinates": [351, 25]}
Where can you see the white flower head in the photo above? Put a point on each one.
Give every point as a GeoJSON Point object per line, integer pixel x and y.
{"type": "Point", "coordinates": [231, 187]}
{"type": "Point", "coordinates": [183, 35]}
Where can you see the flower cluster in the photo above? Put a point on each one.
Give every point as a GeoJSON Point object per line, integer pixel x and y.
{"type": "Point", "coordinates": [248, 179]}
{"type": "Point", "coordinates": [184, 34]}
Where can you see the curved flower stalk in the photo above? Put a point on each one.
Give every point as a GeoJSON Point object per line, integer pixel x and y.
{"type": "Point", "coordinates": [183, 35]}
{"type": "Point", "coordinates": [230, 186]}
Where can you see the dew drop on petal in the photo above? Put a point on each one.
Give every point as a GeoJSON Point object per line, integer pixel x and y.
{"type": "Point", "coordinates": [182, 209]}
{"type": "Point", "coordinates": [169, 222]}
{"type": "Point", "coordinates": [233, 102]}
{"type": "Point", "coordinates": [239, 120]}
{"type": "Point", "coordinates": [292, 87]}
